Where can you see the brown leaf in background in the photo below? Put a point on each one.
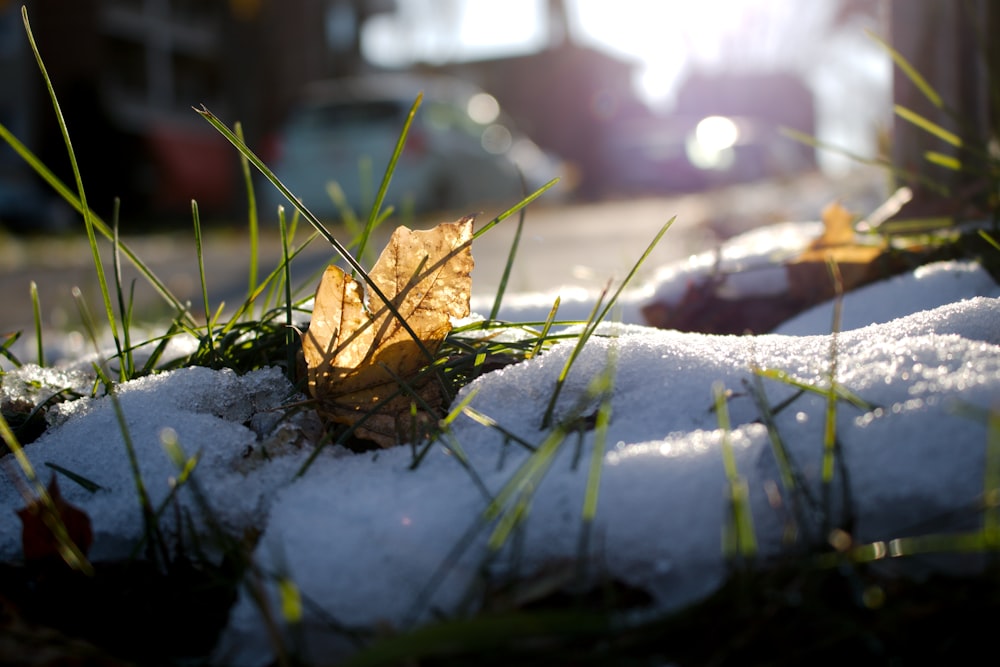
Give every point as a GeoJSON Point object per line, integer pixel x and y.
{"type": "Point", "coordinates": [356, 358]}
{"type": "Point", "coordinates": [809, 276]}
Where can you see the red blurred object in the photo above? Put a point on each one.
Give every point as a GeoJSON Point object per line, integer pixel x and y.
{"type": "Point", "coordinates": [191, 164]}
{"type": "Point", "coordinates": [37, 539]}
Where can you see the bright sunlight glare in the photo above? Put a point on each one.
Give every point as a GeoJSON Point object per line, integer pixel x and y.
{"type": "Point", "coordinates": [664, 36]}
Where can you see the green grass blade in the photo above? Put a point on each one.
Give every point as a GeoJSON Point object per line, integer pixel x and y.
{"type": "Point", "coordinates": [9, 340]}
{"type": "Point", "coordinates": [252, 221]}
{"type": "Point", "coordinates": [942, 160]}
{"type": "Point", "coordinates": [605, 387]}
{"type": "Point", "coordinates": [88, 223]}
{"type": "Point", "coordinates": [843, 393]}
{"type": "Point", "coordinates": [928, 126]}
{"type": "Point", "coordinates": [36, 314]}
{"type": "Point", "coordinates": [911, 73]}
{"type": "Point", "coordinates": [830, 425]}
{"type": "Point", "coordinates": [373, 215]}
{"type": "Point", "coordinates": [514, 209]}
{"type": "Point", "coordinates": [199, 251]}
{"type": "Point", "coordinates": [898, 172]}
{"type": "Point", "coordinates": [596, 317]}
{"type": "Point", "coordinates": [798, 493]}
{"type": "Point", "coordinates": [739, 537]}
{"type": "Point", "coordinates": [74, 201]}
{"type": "Point", "coordinates": [286, 268]}
{"type": "Point", "coordinates": [124, 312]}
{"type": "Point", "coordinates": [508, 266]}
{"type": "Point", "coordinates": [84, 482]}
{"type": "Point", "coordinates": [635, 267]}
{"type": "Point", "coordinates": [989, 239]}
{"type": "Point", "coordinates": [543, 336]}
{"type": "Point", "coordinates": [148, 515]}
{"type": "Point", "coordinates": [581, 341]}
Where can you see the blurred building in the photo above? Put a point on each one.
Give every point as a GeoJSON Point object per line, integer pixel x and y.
{"type": "Point", "coordinates": [128, 72]}
{"type": "Point", "coordinates": [569, 98]}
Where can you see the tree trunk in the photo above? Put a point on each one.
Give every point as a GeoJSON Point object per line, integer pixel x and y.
{"type": "Point", "coordinates": [949, 42]}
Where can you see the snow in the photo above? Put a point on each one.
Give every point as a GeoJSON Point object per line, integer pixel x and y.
{"type": "Point", "coordinates": [365, 536]}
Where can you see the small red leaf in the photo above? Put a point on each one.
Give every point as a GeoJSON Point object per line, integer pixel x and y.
{"type": "Point", "coordinates": [38, 540]}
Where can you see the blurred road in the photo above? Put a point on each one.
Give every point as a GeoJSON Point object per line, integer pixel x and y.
{"type": "Point", "coordinates": [578, 244]}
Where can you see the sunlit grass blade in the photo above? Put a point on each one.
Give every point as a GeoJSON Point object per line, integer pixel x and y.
{"type": "Point", "coordinates": [594, 320]}
{"type": "Point", "coordinates": [373, 215]}
{"type": "Point", "coordinates": [842, 392]}
{"type": "Point", "coordinates": [986, 236]}
{"type": "Point", "coordinates": [928, 126]}
{"type": "Point", "coordinates": [489, 422]}
{"type": "Point", "coordinates": [543, 336]}
{"type": "Point", "coordinates": [74, 201]}
{"type": "Point", "coordinates": [286, 269]}
{"type": "Point", "coordinates": [635, 268]}
{"type": "Point", "coordinates": [580, 342]}
{"type": "Point", "coordinates": [253, 230]}
{"type": "Point", "coordinates": [508, 267]}
{"type": "Point", "coordinates": [199, 251]}
{"type": "Point", "coordinates": [901, 174]}
{"type": "Point", "coordinates": [88, 223]}
{"type": "Point", "coordinates": [789, 474]}
{"type": "Point", "coordinates": [9, 340]}
{"type": "Point", "coordinates": [604, 386]}
{"type": "Point", "coordinates": [739, 537]}
{"type": "Point", "coordinates": [127, 362]}
{"type": "Point", "coordinates": [911, 73]}
{"type": "Point", "coordinates": [37, 317]}
{"type": "Point", "coordinates": [830, 424]}
{"type": "Point", "coordinates": [514, 209]}
{"type": "Point", "coordinates": [942, 160]}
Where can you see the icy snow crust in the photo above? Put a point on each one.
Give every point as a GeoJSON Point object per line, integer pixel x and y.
{"type": "Point", "coordinates": [363, 536]}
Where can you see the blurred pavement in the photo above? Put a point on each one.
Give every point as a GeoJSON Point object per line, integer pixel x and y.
{"type": "Point", "coordinates": [577, 244]}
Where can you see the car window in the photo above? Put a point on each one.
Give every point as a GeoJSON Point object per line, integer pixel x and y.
{"type": "Point", "coordinates": [349, 115]}
{"type": "Point", "coordinates": [441, 116]}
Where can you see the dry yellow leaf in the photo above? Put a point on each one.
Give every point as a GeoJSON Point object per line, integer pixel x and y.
{"type": "Point", "coordinates": [363, 365]}
{"type": "Point", "coordinates": [809, 274]}
{"type": "Point", "coordinates": [838, 227]}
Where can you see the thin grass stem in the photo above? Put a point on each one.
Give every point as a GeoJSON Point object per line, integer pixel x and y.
{"type": "Point", "coordinates": [199, 251]}
{"type": "Point", "coordinates": [127, 370]}
{"type": "Point", "coordinates": [37, 317]}
{"type": "Point", "coordinates": [739, 537]}
{"type": "Point", "coordinates": [88, 223]}
{"type": "Point", "coordinates": [508, 266]}
{"type": "Point", "coordinates": [148, 515]}
{"type": "Point", "coordinates": [252, 218]}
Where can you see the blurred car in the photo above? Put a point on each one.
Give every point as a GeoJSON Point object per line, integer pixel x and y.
{"type": "Point", "coordinates": [461, 151]}
{"type": "Point", "coordinates": [684, 153]}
